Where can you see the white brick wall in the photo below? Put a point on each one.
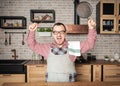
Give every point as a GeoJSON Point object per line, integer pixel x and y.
{"type": "Point", "coordinates": [64, 9]}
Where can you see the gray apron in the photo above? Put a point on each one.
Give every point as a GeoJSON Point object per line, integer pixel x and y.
{"type": "Point", "coordinates": [60, 68]}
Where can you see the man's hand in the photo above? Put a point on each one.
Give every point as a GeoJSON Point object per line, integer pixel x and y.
{"type": "Point", "coordinates": [91, 24]}
{"type": "Point", "coordinates": [33, 27]}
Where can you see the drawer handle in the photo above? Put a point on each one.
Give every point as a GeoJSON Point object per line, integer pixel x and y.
{"type": "Point", "coordinates": [80, 74]}
{"type": "Point", "coordinates": [40, 66]}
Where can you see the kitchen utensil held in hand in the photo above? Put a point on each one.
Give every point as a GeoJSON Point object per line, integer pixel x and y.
{"type": "Point", "coordinates": [84, 9]}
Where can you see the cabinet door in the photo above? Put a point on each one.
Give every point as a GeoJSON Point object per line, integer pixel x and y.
{"type": "Point", "coordinates": [97, 72]}
{"type": "Point", "coordinates": [107, 8]}
{"type": "Point", "coordinates": [83, 73]}
{"type": "Point", "coordinates": [111, 73]}
{"type": "Point", "coordinates": [36, 73]}
{"type": "Point", "coordinates": [108, 25]}
{"type": "Point", "coordinates": [110, 16]}
{"type": "Point", "coordinates": [118, 13]}
{"type": "Point", "coordinates": [12, 78]}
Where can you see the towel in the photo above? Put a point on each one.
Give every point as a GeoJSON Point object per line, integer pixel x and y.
{"type": "Point", "coordinates": [74, 48]}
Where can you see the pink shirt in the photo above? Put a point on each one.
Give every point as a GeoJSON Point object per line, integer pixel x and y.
{"type": "Point", "coordinates": [44, 49]}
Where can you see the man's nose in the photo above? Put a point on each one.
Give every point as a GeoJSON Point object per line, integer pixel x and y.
{"type": "Point", "coordinates": [58, 34]}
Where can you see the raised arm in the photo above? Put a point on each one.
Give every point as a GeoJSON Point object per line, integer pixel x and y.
{"type": "Point", "coordinates": [41, 49]}
{"type": "Point", "coordinates": [90, 41]}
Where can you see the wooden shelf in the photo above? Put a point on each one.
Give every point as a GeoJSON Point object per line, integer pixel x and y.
{"type": "Point", "coordinates": [12, 22]}
{"type": "Point", "coordinates": [36, 15]}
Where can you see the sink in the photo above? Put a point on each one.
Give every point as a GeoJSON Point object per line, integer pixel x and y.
{"type": "Point", "coordinates": [12, 62]}
{"type": "Point", "coordinates": [12, 66]}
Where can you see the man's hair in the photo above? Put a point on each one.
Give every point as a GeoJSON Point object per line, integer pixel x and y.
{"type": "Point", "coordinates": [58, 24]}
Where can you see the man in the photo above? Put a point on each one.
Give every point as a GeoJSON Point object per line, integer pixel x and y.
{"type": "Point", "coordinates": [60, 63]}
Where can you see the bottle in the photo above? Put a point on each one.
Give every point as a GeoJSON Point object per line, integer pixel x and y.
{"type": "Point", "coordinates": [116, 56]}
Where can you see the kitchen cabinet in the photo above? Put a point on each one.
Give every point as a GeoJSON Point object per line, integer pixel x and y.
{"type": "Point", "coordinates": [36, 73]}
{"type": "Point", "coordinates": [111, 73]}
{"type": "Point", "coordinates": [97, 73]}
{"type": "Point", "coordinates": [83, 73]}
{"type": "Point", "coordinates": [12, 22]}
{"type": "Point", "coordinates": [12, 78]}
{"type": "Point", "coordinates": [110, 16]}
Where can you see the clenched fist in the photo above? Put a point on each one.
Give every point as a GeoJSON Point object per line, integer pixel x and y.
{"type": "Point", "coordinates": [33, 27]}
{"type": "Point", "coordinates": [91, 24]}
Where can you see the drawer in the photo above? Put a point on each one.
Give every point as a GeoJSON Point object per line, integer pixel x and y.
{"type": "Point", "coordinates": [112, 78]}
{"type": "Point", "coordinates": [112, 67]}
{"type": "Point", "coordinates": [111, 72]}
{"type": "Point", "coordinates": [81, 67]}
{"type": "Point", "coordinates": [12, 77]}
{"type": "Point", "coordinates": [81, 77]}
{"type": "Point", "coordinates": [85, 72]}
{"type": "Point", "coordinates": [39, 79]}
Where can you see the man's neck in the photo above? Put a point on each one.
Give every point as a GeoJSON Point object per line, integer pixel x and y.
{"type": "Point", "coordinates": [60, 46]}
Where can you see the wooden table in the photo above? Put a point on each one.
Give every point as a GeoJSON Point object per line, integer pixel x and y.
{"type": "Point", "coordinates": [65, 84]}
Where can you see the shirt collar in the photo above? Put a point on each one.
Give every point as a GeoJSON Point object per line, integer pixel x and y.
{"type": "Point", "coordinates": [54, 45]}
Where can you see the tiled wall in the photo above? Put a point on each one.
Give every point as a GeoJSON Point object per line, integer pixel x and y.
{"type": "Point", "coordinates": [64, 9]}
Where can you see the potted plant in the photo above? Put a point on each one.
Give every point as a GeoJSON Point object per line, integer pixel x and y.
{"type": "Point", "coordinates": [44, 31]}
{"type": "Point", "coordinates": [106, 58]}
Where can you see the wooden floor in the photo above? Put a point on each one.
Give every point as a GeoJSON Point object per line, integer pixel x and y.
{"type": "Point", "coordinates": [65, 84]}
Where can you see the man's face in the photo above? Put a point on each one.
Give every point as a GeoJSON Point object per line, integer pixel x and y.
{"type": "Point", "coordinates": [59, 34]}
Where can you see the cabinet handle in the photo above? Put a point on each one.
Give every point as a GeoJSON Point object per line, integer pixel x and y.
{"type": "Point", "coordinates": [40, 66]}
{"type": "Point", "coordinates": [116, 31]}
{"type": "Point", "coordinates": [80, 74]}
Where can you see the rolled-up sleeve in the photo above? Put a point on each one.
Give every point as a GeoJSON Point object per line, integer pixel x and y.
{"type": "Point", "coordinates": [89, 42]}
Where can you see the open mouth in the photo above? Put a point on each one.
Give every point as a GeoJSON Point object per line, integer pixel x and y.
{"type": "Point", "coordinates": [59, 40]}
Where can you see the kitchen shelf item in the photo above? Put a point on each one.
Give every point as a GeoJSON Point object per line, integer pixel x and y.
{"type": "Point", "coordinates": [109, 16]}
{"type": "Point", "coordinates": [76, 29]}
{"type": "Point", "coordinates": [15, 32]}
{"type": "Point", "coordinates": [23, 39]}
{"type": "Point", "coordinates": [44, 31]}
{"type": "Point", "coordinates": [36, 15]}
{"type": "Point", "coordinates": [12, 22]}
{"type": "Point", "coordinates": [6, 41]}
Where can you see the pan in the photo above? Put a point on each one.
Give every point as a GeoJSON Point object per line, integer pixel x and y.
{"type": "Point", "coordinates": [84, 9]}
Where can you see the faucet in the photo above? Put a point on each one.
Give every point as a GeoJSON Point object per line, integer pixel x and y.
{"type": "Point", "coordinates": [14, 56]}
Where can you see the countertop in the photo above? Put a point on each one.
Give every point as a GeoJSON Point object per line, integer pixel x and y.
{"type": "Point", "coordinates": [96, 62]}
{"type": "Point", "coordinates": [64, 84]}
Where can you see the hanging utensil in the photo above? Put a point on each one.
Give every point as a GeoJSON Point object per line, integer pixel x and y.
{"type": "Point", "coordinates": [6, 42]}
{"type": "Point", "coordinates": [84, 9]}
{"type": "Point", "coordinates": [44, 18]}
{"type": "Point", "coordinates": [9, 39]}
{"type": "Point", "coordinates": [23, 39]}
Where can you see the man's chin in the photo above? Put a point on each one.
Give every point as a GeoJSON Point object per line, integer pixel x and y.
{"type": "Point", "coordinates": [60, 43]}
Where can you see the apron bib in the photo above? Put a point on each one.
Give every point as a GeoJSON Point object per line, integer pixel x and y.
{"type": "Point", "coordinates": [60, 68]}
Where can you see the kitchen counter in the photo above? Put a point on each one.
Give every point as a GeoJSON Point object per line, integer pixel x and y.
{"type": "Point", "coordinates": [99, 62]}
{"type": "Point", "coordinates": [36, 62]}
{"type": "Point", "coordinates": [65, 84]}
